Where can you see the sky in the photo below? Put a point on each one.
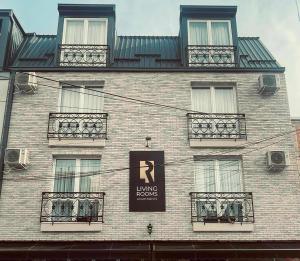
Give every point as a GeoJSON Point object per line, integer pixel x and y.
{"type": "Point", "coordinates": [276, 22]}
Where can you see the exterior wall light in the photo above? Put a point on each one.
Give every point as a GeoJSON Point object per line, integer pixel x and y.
{"type": "Point", "coordinates": [148, 139]}
{"type": "Point", "coordinates": [149, 228]}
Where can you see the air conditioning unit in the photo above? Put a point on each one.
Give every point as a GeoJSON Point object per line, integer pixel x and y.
{"type": "Point", "coordinates": [17, 158]}
{"type": "Point", "coordinates": [276, 160]}
{"type": "Point", "coordinates": [26, 82]}
{"type": "Point", "coordinates": [268, 84]}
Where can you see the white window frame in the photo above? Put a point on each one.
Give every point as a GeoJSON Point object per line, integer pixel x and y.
{"type": "Point", "coordinates": [212, 89]}
{"type": "Point", "coordinates": [77, 168]}
{"type": "Point", "coordinates": [216, 162]}
{"type": "Point", "coordinates": [85, 20]}
{"type": "Point", "coordinates": [82, 90]}
{"type": "Point", "coordinates": [209, 33]}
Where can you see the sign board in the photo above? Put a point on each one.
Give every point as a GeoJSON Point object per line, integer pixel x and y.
{"type": "Point", "coordinates": [147, 181]}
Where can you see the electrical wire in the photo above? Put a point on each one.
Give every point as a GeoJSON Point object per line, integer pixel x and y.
{"type": "Point", "coordinates": [166, 164]}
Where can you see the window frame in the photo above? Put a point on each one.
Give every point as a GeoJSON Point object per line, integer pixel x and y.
{"type": "Point", "coordinates": [209, 31]}
{"type": "Point", "coordinates": [77, 168]}
{"type": "Point", "coordinates": [85, 26]}
{"type": "Point", "coordinates": [217, 172]}
{"type": "Point", "coordinates": [212, 89]}
{"type": "Point", "coordinates": [82, 89]}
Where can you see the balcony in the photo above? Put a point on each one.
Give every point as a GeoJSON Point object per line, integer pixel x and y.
{"type": "Point", "coordinates": [216, 129]}
{"type": "Point", "coordinates": [222, 211]}
{"type": "Point", "coordinates": [77, 129]}
{"type": "Point", "coordinates": [72, 211]}
{"type": "Point", "coordinates": [208, 56]}
{"type": "Point", "coordinates": [83, 55]}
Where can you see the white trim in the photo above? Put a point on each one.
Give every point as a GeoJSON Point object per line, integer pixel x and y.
{"type": "Point", "coordinates": [222, 227]}
{"type": "Point", "coordinates": [81, 143]}
{"type": "Point", "coordinates": [85, 26]}
{"type": "Point", "coordinates": [71, 227]}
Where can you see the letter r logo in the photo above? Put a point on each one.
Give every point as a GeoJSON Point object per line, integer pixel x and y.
{"type": "Point", "coordinates": [147, 171]}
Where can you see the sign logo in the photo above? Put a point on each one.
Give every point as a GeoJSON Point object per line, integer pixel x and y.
{"type": "Point", "coordinates": [146, 181]}
{"type": "Point", "coordinates": [147, 171]}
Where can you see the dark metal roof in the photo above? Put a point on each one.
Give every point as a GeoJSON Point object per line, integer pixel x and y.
{"type": "Point", "coordinates": [147, 52]}
{"type": "Point", "coordinates": [37, 51]}
{"type": "Point", "coordinates": [143, 52]}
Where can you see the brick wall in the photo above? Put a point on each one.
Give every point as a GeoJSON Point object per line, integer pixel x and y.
{"type": "Point", "coordinates": [276, 197]}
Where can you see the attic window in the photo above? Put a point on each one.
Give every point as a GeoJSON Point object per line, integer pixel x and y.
{"type": "Point", "coordinates": [212, 32]}
{"type": "Point", "coordinates": [85, 31]}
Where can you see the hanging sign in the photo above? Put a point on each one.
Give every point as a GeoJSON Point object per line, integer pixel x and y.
{"type": "Point", "coordinates": [147, 181]}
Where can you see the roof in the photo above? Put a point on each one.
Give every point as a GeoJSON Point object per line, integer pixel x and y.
{"type": "Point", "coordinates": [142, 52]}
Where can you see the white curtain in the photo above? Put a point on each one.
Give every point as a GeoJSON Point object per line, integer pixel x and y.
{"type": "Point", "coordinates": [89, 175]}
{"type": "Point", "coordinates": [220, 33]}
{"type": "Point", "coordinates": [74, 32]}
{"type": "Point", "coordinates": [198, 33]}
{"type": "Point", "coordinates": [225, 100]}
{"type": "Point", "coordinates": [64, 175]}
{"type": "Point", "coordinates": [96, 32]}
{"type": "Point", "coordinates": [229, 175]}
{"type": "Point", "coordinates": [93, 99]}
{"type": "Point", "coordinates": [201, 100]}
{"type": "Point", "coordinates": [70, 99]}
{"type": "Point", "coordinates": [204, 176]}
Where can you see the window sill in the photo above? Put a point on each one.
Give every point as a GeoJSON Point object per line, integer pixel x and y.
{"type": "Point", "coordinates": [71, 227]}
{"type": "Point", "coordinates": [222, 227]}
{"type": "Point", "coordinates": [217, 143]}
{"type": "Point", "coordinates": [76, 143]}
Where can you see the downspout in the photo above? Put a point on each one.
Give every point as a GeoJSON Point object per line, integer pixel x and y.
{"type": "Point", "coordinates": [6, 124]}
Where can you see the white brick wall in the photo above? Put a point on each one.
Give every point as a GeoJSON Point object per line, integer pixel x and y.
{"type": "Point", "coordinates": [276, 197]}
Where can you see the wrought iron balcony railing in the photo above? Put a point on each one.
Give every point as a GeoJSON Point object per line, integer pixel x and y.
{"type": "Point", "coordinates": [72, 207]}
{"type": "Point", "coordinates": [211, 55]}
{"type": "Point", "coordinates": [216, 126]}
{"type": "Point", "coordinates": [77, 55]}
{"type": "Point", "coordinates": [77, 125]}
{"type": "Point", "coordinates": [222, 207]}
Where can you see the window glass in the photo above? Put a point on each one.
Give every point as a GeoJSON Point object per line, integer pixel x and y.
{"type": "Point", "coordinates": [225, 100]}
{"type": "Point", "coordinates": [89, 175]}
{"type": "Point", "coordinates": [201, 100]}
{"type": "Point", "coordinates": [220, 33]}
{"type": "Point", "coordinates": [93, 99]}
{"type": "Point", "coordinates": [96, 32]}
{"type": "Point", "coordinates": [70, 99]}
{"type": "Point", "coordinates": [64, 175]}
{"type": "Point", "coordinates": [198, 33]}
{"type": "Point", "coordinates": [74, 33]}
{"type": "Point", "coordinates": [218, 175]}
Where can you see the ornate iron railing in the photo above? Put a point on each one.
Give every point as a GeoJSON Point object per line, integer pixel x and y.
{"type": "Point", "coordinates": [72, 207]}
{"type": "Point", "coordinates": [222, 207]}
{"type": "Point", "coordinates": [76, 55]}
{"type": "Point", "coordinates": [216, 126]}
{"type": "Point", "coordinates": [211, 55]}
{"type": "Point", "coordinates": [77, 125]}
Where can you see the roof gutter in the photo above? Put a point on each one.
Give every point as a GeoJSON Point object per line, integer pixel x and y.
{"type": "Point", "coordinates": [116, 69]}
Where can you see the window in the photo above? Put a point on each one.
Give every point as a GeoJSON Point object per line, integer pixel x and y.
{"type": "Point", "coordinates": [85, 31]}
{"type": "Point", "coordinates": [81, 99]}
{"type": "Point", "coordinates": [214, 99]}
{"type": "Point", "coordinates": [209, 32]}
{"type": "Point", "coordinates": [75, 175]}
{"type": "Point", "coordinates": [84, 42]}
{"type": "Point", "coordinates": [221, 179]}
{"type": "Point", "coordinates": [218, 175]}
{"type": "Point", "coordinates": [210, 43]}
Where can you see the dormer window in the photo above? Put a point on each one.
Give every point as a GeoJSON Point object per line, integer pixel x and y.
{"type": "Point", "coordinates": [88, 31]}
{"type": "Point", "coordinates": [84, 42]}
{"type": "Point", "coordinates": [209, 32]}
{"type": "Point", "coordinates": [210, 43]}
